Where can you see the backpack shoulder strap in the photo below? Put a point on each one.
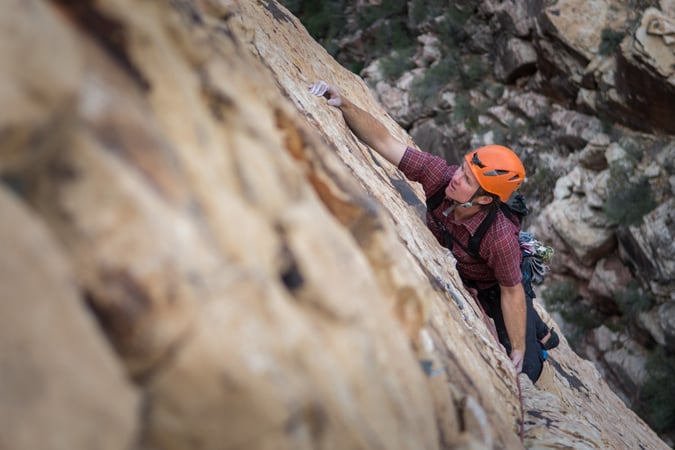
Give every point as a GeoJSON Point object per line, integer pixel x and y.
{"type": "Point", "coordinates": [436, 199]}
{"type": "Point", "coordinates": [476, 239]}
{"type": "Point", "coordinates": [512, 211]}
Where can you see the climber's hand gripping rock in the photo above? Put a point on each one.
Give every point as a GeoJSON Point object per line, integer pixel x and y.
{"type": "Point", "coordinates": [323, 89]}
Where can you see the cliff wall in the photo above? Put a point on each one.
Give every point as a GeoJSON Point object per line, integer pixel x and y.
{"type": "Point", "coordinates": [198, 254]}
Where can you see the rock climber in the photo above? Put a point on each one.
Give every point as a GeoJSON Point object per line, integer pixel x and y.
{"type": "Point", "coordinates": [486, 177]}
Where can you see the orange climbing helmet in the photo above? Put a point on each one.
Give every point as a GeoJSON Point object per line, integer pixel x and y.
{"type": "Point", "coordinates": [498, 169]}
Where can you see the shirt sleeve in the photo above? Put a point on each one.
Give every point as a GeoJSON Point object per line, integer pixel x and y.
{"type": "Point", "coordinates": [503, 254]}
{"type": "Point", "coordinates": [429, 170]}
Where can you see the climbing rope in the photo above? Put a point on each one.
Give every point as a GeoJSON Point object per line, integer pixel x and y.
{"type": "Point", "coordinates": [492, 329]}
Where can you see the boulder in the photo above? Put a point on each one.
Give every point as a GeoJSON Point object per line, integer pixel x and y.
{"type": "Point", "coordinates": [515, 58]}
{"type": "Point", "coordinates": [428, 52]}
{"type": "Point", "coordinates": [593, 154]}
{"type": "Point", "coordinates": [530, 104]}
{"type": "Point", "coordinates": [609, 276]}
{"type": "Point", "coordinates": [645, 74]}
{"type": "Point", "coordinates": [439, 139]}
{"type": "Point", "coordinates": [666, 315]}
{"type": "Point", "coordinates": [628, 364]}
{"type": "Point", "coordinates": [573, 129]}
{"type": "Point", "coordinates": [650, 248]}
{"type": "Point", "coordinates": [571, 219]}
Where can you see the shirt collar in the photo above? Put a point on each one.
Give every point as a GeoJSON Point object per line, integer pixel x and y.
{"type": "Point", "coordinates": [473, 222]}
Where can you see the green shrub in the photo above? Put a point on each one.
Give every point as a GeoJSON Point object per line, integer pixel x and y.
{"type": "Point", "coordinates": [473, 73]}
{"type": "Point", "coordinates": [326, 22]}
{"type": "Point", "coordinates": [541, 180]}
{"type": "Point", "coordinates": [450, 30]}
{"type": "Point", "coordinates": [436, 77]}
{"type": "Point", "coordinates": [391, 34]}
{"type": "Point", "coordinates": [356, 67]}
{"type": "Point", "coordinates": [465, 112]}
{"type": "Point", "coordinates": [669, 165]}
{"type": "Point", "coordinates": [560, 293]}
{"type": "Point", "coordinates": [658, 391]}
{"type": "Point", "coordinates": [392, 30]}
{"type": "Point", "coordinates": [397, 63]}
{"type": "Point", "coordinates": [606, 122]}
{"type": "Point", "coordinates": [563, 297]}
{"type": "Point", "coordinates": [494, 90]}
{"type": "Point", "coordinates": [634, 150]}
{"type": "Point", "coordinates": [469, 72]}
{"type": "Point", "coordinates": [641, 5]}
{"type": "Point", "coordinates": [323, 19]}
{"type": "Point", "coordinates": [610, 40]}
{"type": "Point", "coordinates": [633, 300]}
{"type": "Point", "coordinates": [387, 9]}
{"type": "Point", "coordinates": [628, 201]}
{"type": "Point", "coordinates": [423, 10]}
{"type": "Point", "coordinates": [498, 134]}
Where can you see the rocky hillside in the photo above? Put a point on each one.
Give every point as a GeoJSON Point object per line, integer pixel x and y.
{"type": "Point", "coordinates": [199, 255]}
{"type": "Point", "coordinates": [584, 91]}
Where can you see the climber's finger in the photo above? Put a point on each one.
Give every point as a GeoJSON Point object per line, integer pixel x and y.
{"type": "Point", "coordinates": [319, 88]}
{"type": "Point", "coordinates": [517, 360]}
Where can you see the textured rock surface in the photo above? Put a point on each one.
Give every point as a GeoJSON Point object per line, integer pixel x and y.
{"type": "Point", "coordinates": [645, 74]}
{"type": "Point", "coordinates": [638, 88]}
{"type": "Point", "coordinates": [652, 246]}
{"type": "Point", "coordinates": [62, 386]}
{"type": "Point", "coordinates": [600, 65]}
{"type": "Point", "coordinates": [265, 280]}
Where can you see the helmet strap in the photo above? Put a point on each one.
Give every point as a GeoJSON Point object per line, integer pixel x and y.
{"type": "Point", "coordinates": [470, 203]}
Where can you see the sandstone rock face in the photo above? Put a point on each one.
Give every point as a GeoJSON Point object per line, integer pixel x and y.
{"type": "Point", "coordinates": [633, 85]}
{"type": "Point", "coordinates": [596, 64]}
{"type": "Point", "coordinates": [645, 75]}
{"type": "Point", "coordinates": [62, 386]}
{"type": "Point", "coordinates": [574, 225]}
{"type": "Point", "coordinates": [518, 58]}
{"type": "Point", "coordinates": [652, 246]}
{"type": "Point", "coordinates": [264, 279]}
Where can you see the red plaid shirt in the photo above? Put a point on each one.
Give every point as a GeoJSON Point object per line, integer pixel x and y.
{"type": "Point", "coordinates": [499, 248]}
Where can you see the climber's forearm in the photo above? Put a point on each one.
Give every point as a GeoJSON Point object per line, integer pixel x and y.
{"type": "Point", "coordinates": [514, 311]}
{"type": "Point", "coordinates": [372, 132]}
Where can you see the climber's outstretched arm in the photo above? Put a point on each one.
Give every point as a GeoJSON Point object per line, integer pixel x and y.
{"type": "Point", "coordinates": [362, 124]}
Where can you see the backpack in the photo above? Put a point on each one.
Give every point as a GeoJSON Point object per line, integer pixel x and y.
{"type": "Point", "coordinates": [534, 253]}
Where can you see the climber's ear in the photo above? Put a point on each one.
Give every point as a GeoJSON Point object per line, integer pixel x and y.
{"type": "Point", "coordinates": [483, 200]}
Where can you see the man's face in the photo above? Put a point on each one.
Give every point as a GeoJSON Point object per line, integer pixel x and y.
{"type": "Point", "coordinates": [462, 186]}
